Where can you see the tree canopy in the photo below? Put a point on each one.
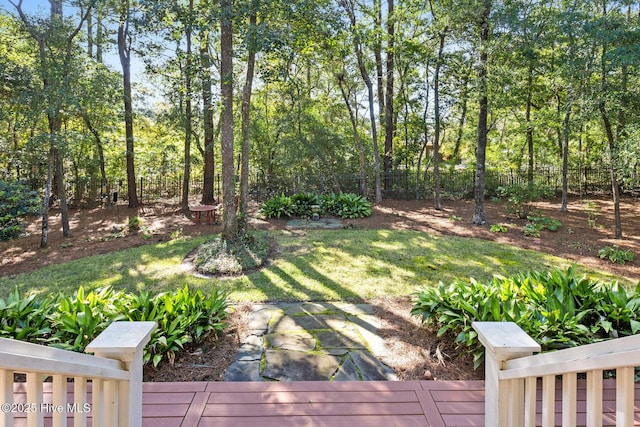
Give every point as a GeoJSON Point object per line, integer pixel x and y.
{"type": "Point", "coordinates": [359, 95]}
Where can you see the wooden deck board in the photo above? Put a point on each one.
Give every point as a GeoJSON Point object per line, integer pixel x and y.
{"type": "Point", "coordinates": [331, 404]}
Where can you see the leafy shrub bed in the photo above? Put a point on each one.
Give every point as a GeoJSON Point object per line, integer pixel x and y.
{"type": "Point", "coordinates": [183, 316]}
{"type": "Point", "coordinates": [244, 252]}
{"type": "Point", "coordinates": [16, 202]}
{"type": "Point", "coordinates": [344, 205]}
{"type": "Point", "coordinates": [556, 308]}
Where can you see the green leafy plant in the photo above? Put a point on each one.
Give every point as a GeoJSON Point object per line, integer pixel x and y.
{"type": "Point", "coordinates": [302, 203]}
{"type": "Point", "coordinates": [532, 230]}
{"type": "Point", "coordinates": [71, 322]}
{"type": "Point", "coordinates": [184, 316]}
{"type": "Point", "coordinates": [592, 212]}
{"type": "Point", "coordinates": [79, 319]}
{"type": "Point", "coordinates": [615, 254]}
{"type": "Point", "coordinates": [278, 206]}
{"type": "Point", "coordinates": [16, 202]}
{"type": "Point", "coordinates": [351, 205]}
{"type": "Point", "coordinates": [498, 228]}
{"type": "Point", "coordinates": [25, 318]}
{"type": "Point", "coordinates": [550, 224]}
{"type": "Point", "coordinates": [455, 218]}
{"type": "Point", "coordinates": [519, 198]}
{"type": "Point", "coordinates": [557, 308]}
{"type": "Point", "coordinates": [134, 224]}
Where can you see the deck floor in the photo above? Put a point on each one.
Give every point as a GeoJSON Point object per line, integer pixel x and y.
{"type": "Point", "coordinates": [331, 404]}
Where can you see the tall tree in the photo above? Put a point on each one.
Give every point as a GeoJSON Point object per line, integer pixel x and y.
{"type": "Point", "coordinates": [246, 109]}
{"type": "Point", "coordinates": [389, 127]}
{"type": "Point", "coordinates": [229, 223]}
{"type": "Point", "coordinates": [483, 106]}
{"type": "Point", "coordinates": [56, 60]}
{"type": "Point", "coordinates": [188, 105]}
{"type": "Point", "coordinates": [207, 119]}
{"type": "Point", "coordinates": [124, 52]}
{"type": "Point", "coordinates": [349, 7]}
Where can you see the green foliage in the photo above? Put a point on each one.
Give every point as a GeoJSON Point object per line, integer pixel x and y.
{"type": "Point", "coordinates": [344, 205]}
{"type": "Point", "coordinates": [16, 202]}
{"type": "Point", "coordinates": [183, 316]}
{"type": "Point", "coordinates": [550, 224]}
{"type": "Point", "coordinates": [615, 254]}
{"type": "Point", "coordinates": [532, 230]}
{"type": "Point", "coordinates": [302, 203]}
{"type": "Point", "coordinates": [244, 252]}
{"type": "Point", "coordinates": [278, 206]}
{"type": "Point", "coordinates": [134, 224]}
{"type": "Point", "coordinates": [24, 318]}
{"type": "Point", "coordinates": [556, 308]}
{"type": "Point", "coordinates": [592, 213]}
{"type": "Point", "coordinates": [519, 198]}
{"type": "Point", "coordinates": [349, 205]}
{"type": "Point", "coordinates": [498, 228]}
{"type": "Point", "coordinates": [79, 319]}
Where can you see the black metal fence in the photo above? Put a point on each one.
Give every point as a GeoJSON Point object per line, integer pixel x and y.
{"type": "Point", "coordinates": [400, 184]}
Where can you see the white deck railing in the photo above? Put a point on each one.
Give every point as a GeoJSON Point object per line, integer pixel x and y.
{"type": "Point", "coordinates": [513, 373]}
{"type": "Point", "coordinates": [113, 377]}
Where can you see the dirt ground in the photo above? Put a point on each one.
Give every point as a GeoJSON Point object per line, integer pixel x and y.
{"type": "Point", "coordinates": [419, 353]}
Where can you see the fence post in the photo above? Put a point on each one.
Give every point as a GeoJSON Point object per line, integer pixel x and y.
{"type": "Point", "coordinates": [504, 400]}
{"type": "Point", "coordinates": [125, 341]}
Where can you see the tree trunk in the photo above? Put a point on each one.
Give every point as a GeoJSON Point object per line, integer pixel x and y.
{"type": "Point", "coordinates": [483, 101]}
{"type": "Point", "coordinates": [124, 51]}
{"type": "Point", "coordinates": [565, 156]}
{"type": "Point", "coordinates": [436, 112]}
{"type": "Point", "coordinates": [226, 89]}
{"type": "Point", "coordinates": [208, 196]}
{"type": "Point", "coordinates": [463, 117]}
{"type": "Point", "coordinates": [188, 127]}
{"type": "Point", "coordinates": [349, 7]}
{"type": "Point", "coordinates": [44, 239]}
{"type": "Point", "coordinates": [246, 114]}
{"type": "Point", "coordinates": [529, 127]}
{"type": "Point", "coordinates": [356, 136]}
{"type": "Point", "coordinates": [389, 127]}
{"type": "Point", "coordinates": [611, 139]}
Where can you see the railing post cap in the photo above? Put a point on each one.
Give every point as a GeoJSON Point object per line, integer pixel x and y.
{"type": "Point", "coordinates": [122, 338]}
{"type": "Point", "coordinates": [505, 339]}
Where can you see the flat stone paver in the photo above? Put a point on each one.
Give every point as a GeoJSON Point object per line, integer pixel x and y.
{"type": "Point", "coordinates": [312, 341]}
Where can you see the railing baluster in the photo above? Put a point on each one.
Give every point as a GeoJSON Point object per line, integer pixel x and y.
{"type": "Point", "coordinates": [79, 400]}
{"type": "Point", "coordinates": [594, 398]}
{"type": "Point", "coordinates": [625, 396]}
{"type": "Point", "coordinates": [97, 406]}
{"type": "Point", "coordinates": [530, 398]}
{"type": "Point", "coordinates": [548, 400]}
{"type": "Point", "coordinates": [59, 401]}
{"type": "Point", "coordinates": [35, 417]}
{"type": "Point", "coordinates": [569, 399]}
{"type": "Point", "coordinates": [6, 396]}
{"type": "Point", "coordinates": [110, 403]}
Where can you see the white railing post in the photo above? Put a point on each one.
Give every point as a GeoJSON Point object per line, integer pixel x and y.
{"type": "Point", "coordinates": [125, 341]}
{"type": "Point", "coordinates": [504, 400]}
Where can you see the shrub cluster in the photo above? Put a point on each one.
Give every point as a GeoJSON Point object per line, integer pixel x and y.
{"type": "Point", "coordinates": [72, 322]}
{"type": "Point", "coordinates": [519, 198]}
{"type": "Point", "coordinates": [244, 252]}
{"type": "Point", "coordinates": [344, 205]}
{"type": "Point", "coordinates": [556, 308]}
{"type": "Point", "coordinates": [16, 201]}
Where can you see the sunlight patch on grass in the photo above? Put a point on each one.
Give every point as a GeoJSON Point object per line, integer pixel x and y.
{"type": "Point", "coordinates": [311, 265]}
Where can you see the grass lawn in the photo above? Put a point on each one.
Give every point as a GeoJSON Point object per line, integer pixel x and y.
{"type": "Point", "coordinates": [309, 265]}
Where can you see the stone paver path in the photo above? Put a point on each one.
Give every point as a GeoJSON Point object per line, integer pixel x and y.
{"type": "Point", "coordinates": [311, 342]}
